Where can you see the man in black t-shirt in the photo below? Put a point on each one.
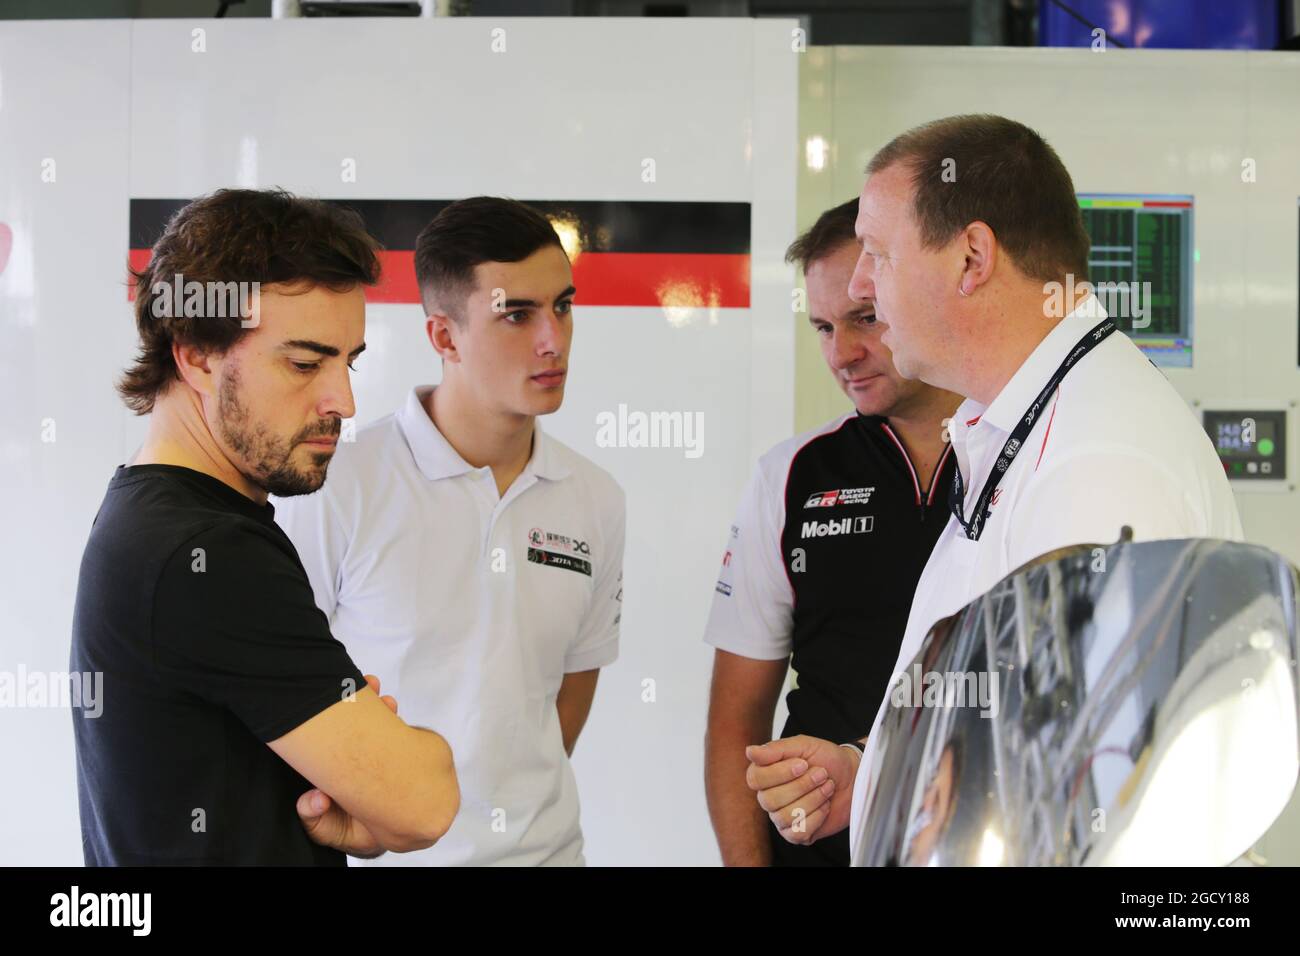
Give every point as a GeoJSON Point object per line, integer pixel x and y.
{"type": "Point", "coordinates": [828, 543]}
{"type": "Point", "coordinates": [234, 728]}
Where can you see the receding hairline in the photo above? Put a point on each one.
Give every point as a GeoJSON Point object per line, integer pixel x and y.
{"type": "Point", "coordinates": [908, 163]}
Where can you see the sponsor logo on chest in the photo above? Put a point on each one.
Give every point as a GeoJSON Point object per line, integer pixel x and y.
{"type": "Point", "coordinates": [826, 529]}
{"type": "Point", "coordinates": [559, 551]}
{"type": "Point", "coordinates": [557, 542]}
{"type": "Point", "coordinates": [840, 496]}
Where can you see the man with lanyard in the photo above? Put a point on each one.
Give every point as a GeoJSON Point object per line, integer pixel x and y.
{"type": "Point", "coordinates": [830, 538]}
{"type": "Point", "coordinates": [1068, 432]}
{"type": "Point", "coordinates": [467, 557]}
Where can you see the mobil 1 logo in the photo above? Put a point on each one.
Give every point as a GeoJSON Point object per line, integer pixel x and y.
{"type": "Point", "coordinates": [835, 527]}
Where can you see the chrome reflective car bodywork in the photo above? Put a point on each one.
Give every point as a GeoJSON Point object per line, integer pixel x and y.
{"type": "Point", "coordinates": [1135, 703]}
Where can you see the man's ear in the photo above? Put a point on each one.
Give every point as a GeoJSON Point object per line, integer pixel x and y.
{"type": "Point", "coordinates": [194, 366]}
{"type": "Point", "coordinates": [441, 331]}
{"type": "Point", "coordinates": [981, 254]}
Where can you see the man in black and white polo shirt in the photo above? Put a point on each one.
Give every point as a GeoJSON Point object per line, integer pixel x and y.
{"type": "Point", "coordinates": [470, 560]}
{"type": "Point", "coordinates": [831, 535]}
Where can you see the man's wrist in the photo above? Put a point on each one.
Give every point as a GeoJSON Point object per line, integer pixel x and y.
{"type": "Point", "coordinates": [858, 748]}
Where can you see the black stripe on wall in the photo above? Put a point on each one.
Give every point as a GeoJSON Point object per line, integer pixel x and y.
{"type": "Point", "coordinates": [689, 227]}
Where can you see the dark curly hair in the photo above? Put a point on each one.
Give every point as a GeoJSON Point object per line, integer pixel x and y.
{"type": "Point", "coordinates": [238, 235]}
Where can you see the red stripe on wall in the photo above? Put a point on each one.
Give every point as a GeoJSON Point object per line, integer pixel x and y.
{"type": "Point", "coordinates": [397, 280]}
{"type": "Point", "coordinates": [662, 279]}
{"type": "Point", "coordinates": [646, 279]}
{"type": "Point", "coordinates": [137, 260]}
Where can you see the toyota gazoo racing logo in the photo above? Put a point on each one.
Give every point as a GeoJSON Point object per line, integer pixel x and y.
{"type": "Point", "coordinates": [826, 529]}
{"type": "Point", "coordinates": [840, 496]}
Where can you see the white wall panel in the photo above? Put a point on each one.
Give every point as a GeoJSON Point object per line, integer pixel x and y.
{"type": "Point", "coordinates": [64, 332]}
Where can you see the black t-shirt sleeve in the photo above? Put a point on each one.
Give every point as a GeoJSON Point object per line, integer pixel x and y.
{"type": "Point", "coordinates": [235, 623]}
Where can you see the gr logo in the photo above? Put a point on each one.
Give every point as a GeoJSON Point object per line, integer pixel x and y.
{"type": "Point", "coordinates": [826, 529]}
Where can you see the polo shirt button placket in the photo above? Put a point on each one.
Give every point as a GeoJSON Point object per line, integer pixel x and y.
{"type": "Point", "coordinates": [493, 502]}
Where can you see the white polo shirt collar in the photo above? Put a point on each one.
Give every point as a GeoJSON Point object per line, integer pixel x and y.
{"type": "Point", "coordinates": [1023, 387]}
{"type": "Point", "coordinates": [976, 428]}
{"type": "Point", "coordinates": [437, 459]}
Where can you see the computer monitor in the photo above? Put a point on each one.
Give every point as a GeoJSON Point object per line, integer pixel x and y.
{"type": "Point", "coordinates": [1140, 264]}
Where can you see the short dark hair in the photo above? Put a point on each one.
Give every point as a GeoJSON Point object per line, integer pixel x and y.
{"type": "Point", "coordinates": [467, 233]}
{"type": "Point", "coordinates": [832, 229]}
{"type": "Point", "coordinates": [234, 236]}
{"type": "Point", "coordinates": [1007, 176]}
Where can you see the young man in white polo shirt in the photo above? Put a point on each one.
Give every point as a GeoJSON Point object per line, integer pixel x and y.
{"type": "Point", "coordinates": [1068, 433]}
{"type": "Point", "coordinates": [469, 560]}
